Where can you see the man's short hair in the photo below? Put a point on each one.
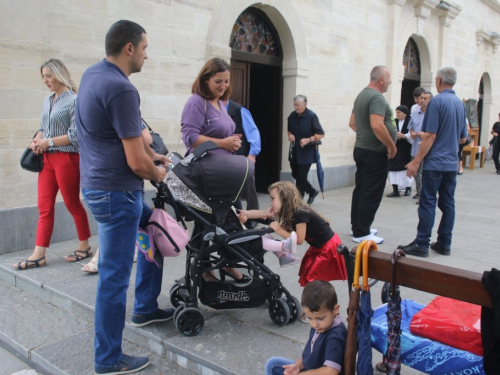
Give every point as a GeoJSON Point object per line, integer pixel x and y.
{"type": "Point", "coordinates": [303, 97]}
{"type": "Point", "coordinates": [377, 72]}
{"type": "Point", "coordinates": [427, 92]}
{"type": "Point", "coordinates": [418, 91]}
{"type": "Point", "coordinates": [318, 294]}
{"type": "Point", "coordinates": [448, 75]}
{"type": "Point", "coordinates": [120, 34]}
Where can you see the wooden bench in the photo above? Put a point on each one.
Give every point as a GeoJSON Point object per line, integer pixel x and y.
{"type": "Point", "coordinates": [432, 278]}
{"type": "Point", "coordinates": [472, 151]}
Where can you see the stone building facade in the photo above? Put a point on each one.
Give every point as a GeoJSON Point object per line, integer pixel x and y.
{"type": "Point", "coordinates": [325, 49]}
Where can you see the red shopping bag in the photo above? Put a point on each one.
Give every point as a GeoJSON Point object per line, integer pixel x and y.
{"type": "Point", "coordinates": [451, 322]}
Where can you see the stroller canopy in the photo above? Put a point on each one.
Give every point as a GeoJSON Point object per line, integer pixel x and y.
{"type": "Point", "coordinates": [217, 179]}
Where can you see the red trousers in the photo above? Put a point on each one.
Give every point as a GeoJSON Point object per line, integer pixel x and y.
{"type": "Point", "coordinates": [61, 170]}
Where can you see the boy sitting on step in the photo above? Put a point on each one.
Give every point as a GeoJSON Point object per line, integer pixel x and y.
{"type": "Point", "coordinates": [325, 349]}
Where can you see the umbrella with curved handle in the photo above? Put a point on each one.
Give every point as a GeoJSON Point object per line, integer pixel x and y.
{"type": "Point", "coordinates": [392, 357]}
{"type": "Point", "coordinates": [364, 365]}
{"type": "Point", "coordinates": [352, 311]}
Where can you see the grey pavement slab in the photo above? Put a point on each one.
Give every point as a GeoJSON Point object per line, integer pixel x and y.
{"type": "Point", "coordinates": [10, 364]}
{"type": "Point", "coordinates": [230, 334]}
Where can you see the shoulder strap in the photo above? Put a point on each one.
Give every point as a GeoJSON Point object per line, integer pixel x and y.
{"type": "Point", "coordinates": [149, 127]}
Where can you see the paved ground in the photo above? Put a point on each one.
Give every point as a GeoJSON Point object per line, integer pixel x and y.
{"type": "Point", "coordinates": [236, 341]}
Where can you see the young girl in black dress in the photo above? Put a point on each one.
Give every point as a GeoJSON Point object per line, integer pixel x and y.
{"type": "Point", "coordinates": [321, 261]}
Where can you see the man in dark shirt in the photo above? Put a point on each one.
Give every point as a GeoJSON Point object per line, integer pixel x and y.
{"type": "Point", "coordinates": [114, 161]}
{"type": "Point", "coordinates": [495, 131]}
{"type": "Point", "coordinates": [250, 147]}
{"type": "Point", "coordinates": [303, 128]}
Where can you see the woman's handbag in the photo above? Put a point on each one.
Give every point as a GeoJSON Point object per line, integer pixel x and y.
{"type": "Point", "coordinates": [158, 145]}
{"type": "Point", "coordinates": [32, 162]}
{"type": "Point", "coordinates": [489, 151]}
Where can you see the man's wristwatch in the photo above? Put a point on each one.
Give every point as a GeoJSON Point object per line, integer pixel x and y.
{"type": "Point", "coordinates": [51, 142]}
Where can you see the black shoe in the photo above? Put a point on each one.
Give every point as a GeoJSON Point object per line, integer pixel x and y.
{"type": "Point", "coordinates": [245, 279]}
{"type": "Point", "coordinates": [418, 201]}
{"type": "Point", "coordinates": [393, 194]}
{"type": "Point", "coordinates": [415, 250]}
{"type": "Point", "coordinates": [312, 196]}
{"type": "Point", "coordinates": [436, 246]}
{"type": "Point", "coordinates": [498, 172]}
{"type": "Point", "coordinates": [408, 192]}
{"type": "Point", "coordinates": [157, 316]}
{"type": "Point", "coordinates": [416, 196]}
{"type": "Point", "coordinates": [126, 365]}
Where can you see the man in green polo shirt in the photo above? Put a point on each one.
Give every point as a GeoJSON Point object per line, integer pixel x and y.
{"type": "Point", "coordinates": [371, 119]}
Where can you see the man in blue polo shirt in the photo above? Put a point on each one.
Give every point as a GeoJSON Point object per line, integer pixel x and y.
{"type": "Point", "coordinates": [443, 129]}
{"type": "Point", "coordinates": [113, 163]}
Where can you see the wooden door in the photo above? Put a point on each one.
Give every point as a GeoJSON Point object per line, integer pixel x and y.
{"type": "Point", "coordinates": [240, 82]}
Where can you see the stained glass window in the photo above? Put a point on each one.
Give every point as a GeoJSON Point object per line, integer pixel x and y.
{"type": "Point", "coordinates": [411, 59]}
{"type": "Point", "coordinates": [252, 34]}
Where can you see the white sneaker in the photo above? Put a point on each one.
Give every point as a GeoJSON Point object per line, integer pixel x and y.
{"type": "Point", "coordinates": [370, 237]}
{"type": "Point", "coordinates": [290, 244]}
{"type": "Point", "coordinates": [287, 260]}
{"type": "Point", "coordinates": [372, 231]}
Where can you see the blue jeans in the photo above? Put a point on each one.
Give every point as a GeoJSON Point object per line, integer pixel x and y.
{"type": "Point", "coordinates": [274, 365]}
{"type": "Point", "coordinates": [434, 183]}
{"type": "Point", "coordinates": [118, 214]}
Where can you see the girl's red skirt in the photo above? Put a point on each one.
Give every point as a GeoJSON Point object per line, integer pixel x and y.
{"type": "Point", "coordinates": [323, 263]}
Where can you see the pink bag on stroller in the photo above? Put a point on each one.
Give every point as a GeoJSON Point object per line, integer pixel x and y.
{"type": "Point", "coordinates": [169, 238]}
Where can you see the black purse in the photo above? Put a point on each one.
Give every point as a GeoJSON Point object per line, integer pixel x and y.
{"type": "Point", "coordinates": [31, 161]}
{"type": "Point", "coordinates": [158, 145]}
{"type": "Point", "coordinates": [313, 143]}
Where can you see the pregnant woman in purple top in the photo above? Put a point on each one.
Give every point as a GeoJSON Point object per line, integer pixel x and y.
{"type": "Point", "coordinates": [205, 118]}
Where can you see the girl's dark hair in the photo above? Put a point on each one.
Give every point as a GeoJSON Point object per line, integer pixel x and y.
{"type": "Point", "coordinates": [211, 67]}
{"type": "Point", "coordinates": [120, 34]}
{"type": "Point", "coordinates": [318, 294]}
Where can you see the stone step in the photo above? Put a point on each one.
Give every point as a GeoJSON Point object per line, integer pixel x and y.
{"type": "Point", "coordinates": [232, 342]}
{"type": "Point", "coordinates": [59, 342]}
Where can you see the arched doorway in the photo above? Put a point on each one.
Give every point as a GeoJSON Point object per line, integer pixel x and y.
{"type": "Point", "coordinates": [412, 72]}
{"type": "Point", "coordinates": [256, 81]}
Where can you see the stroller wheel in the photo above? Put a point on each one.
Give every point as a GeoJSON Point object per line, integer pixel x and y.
{"type": "Point", "coordinates": [295, 309]}
{"type": "Point", "coordinates": [190, 321]}
{"type": "Point", "coordinates": [175, 296]}
{"type": "Point", "coordinates": [279, 311]}
{"type": "Point", "coordinates": [178, 309]}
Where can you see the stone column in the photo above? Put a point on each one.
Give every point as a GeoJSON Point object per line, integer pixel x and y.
{"type": "Point", "coordinates": [394, 51]}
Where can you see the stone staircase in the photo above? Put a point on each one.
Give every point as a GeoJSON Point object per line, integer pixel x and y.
{"type": "Point", "coordinates": [47, 316]}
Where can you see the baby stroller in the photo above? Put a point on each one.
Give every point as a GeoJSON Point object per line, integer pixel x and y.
{"type": "Point", "coordinates": [203, 187]}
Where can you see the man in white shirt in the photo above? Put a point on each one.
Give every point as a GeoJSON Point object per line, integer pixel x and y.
{"type": "Point", "coordinates": [414, 128]}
